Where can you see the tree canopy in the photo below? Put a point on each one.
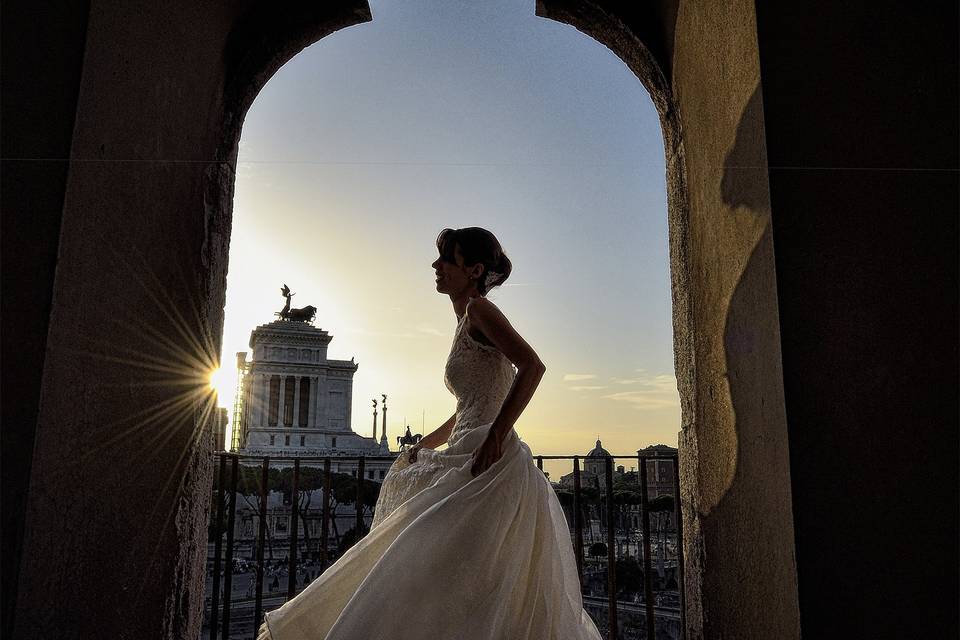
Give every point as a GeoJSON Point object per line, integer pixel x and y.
{"type": "Point", "coordinates": [661, 503]}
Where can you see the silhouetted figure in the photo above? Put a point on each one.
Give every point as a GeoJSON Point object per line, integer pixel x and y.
{"type": "Point", "coordinates": [306, 314]}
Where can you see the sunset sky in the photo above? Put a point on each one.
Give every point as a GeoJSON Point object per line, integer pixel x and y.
{"type": "Point", "coordinates": [448, 114]}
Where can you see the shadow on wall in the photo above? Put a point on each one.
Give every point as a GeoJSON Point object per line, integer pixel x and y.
{"type": "Point", "coordinates": [750, 330]}
{"type": "Point", "coordinates": [740, 187]}
{"type": "Point", "coordinates": [754, 378]}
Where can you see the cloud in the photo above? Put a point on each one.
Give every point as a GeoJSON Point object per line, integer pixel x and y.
{"type": "Point", "coordinates": [625, 380]}
{"type": "Point", "coordinates": [655, 392]}
{"type": "Point", "coordinates": [574, 377]}
{"type": "Point", "coordinates": [587, 388]}
{"type": "Point", "coordinates": [433, 331]}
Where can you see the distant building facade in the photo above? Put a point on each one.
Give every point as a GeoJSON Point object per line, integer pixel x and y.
{"type": "Point", "coordinates": [296, 402]}
{"type": "Point", "coordinates": [660, 482]}
{"type": "Point", "coordinates": [660, 472]}
{"type": "Point", "coordinates": [593, 473]}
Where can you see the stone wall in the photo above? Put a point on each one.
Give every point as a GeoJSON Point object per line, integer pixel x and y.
{"type": "Point", "coordinates": [135, 216]}
{"type": "Point", "coordinates": [815, 301]}
{"type": "Point", "coordinates": [861, 128]}
{"type": "Point", "coordinates": [703, 76]}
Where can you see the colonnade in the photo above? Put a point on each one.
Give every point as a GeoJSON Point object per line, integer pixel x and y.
{"type": "Point", "coordinates": [268, 409]}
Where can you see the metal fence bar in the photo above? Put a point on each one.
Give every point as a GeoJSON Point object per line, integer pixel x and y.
{"type": "Point", "coordinates": [294, 517]}
{"type": "Point", "coordinates": [391, 458]}
{"type": "Point", "coordinates": [679, 515]}
{"type": "Point", "coordinates": [647, 570]}
{"type": "Point", "coordinates": [358, 526]}
{"type": "Point", "coordinates": [613, 631]}
{"type": "Point", "coordinates": [217, 549]}
{"type": "Point", "coordinates": [228, 570]}
{"type": "Point", "coordinates": [325, 521]}
{"type": "Point", "coordinates": [577, 517]}
{"type": "Point", "coordinates": [261, 534]}
{"type": "Point", "coordinates": [220, 601]}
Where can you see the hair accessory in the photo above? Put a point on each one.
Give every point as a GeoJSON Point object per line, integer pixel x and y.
{"type": "Point", "coordinates": [491, 277]}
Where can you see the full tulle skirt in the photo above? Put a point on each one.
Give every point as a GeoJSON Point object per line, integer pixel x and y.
{"type": "Point", "coordinates": [456, 557]}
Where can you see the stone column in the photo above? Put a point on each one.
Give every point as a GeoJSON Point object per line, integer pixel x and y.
{"type": "Point", "coordinates": [322, 404]}
{"type": "Point", "coordinates": [264, 404]}
{"type": "Point", "coordinates": [310, 391]}
{"type": "Point", "coordinates": [251, 400]}
{"type": "Point", "coordinates": [315, 404]}
{"type": "Point", "coordinates": [348, 410]}
{"type": "Point", "coordinates": [296, 402]}
{"type": "Point", "coordinates": [280, 400]}
{"type": "Point", "coordinates": [384, 415]}
{"type": "Point", "coordinates": [255, 397]}
{"type": "Point", "coordinates": [251, 391]}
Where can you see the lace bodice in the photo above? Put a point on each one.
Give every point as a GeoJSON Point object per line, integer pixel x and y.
{"type": "Point", "coordinates": [479, 376]}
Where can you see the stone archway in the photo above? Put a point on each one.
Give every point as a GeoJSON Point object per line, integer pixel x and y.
{"type": "Point", "coordinates": [735, 479]}
{"type": "Point", "coordinates": [148, 192]}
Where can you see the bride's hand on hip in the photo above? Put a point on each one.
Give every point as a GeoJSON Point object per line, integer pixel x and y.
{"type": "Point", "coordinates": [487, 453]}
{"type": "Point", "coordinates": [412, 454]}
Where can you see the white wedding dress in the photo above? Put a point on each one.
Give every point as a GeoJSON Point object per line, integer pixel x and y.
{"type": "Point", "coordinates": [450, 556]}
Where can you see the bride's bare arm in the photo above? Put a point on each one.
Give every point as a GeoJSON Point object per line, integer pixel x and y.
{"type": "Point", "coordinates": [487, 318]}
{"type": "Point", "coordinates": [439, 435]}
{"type": "Point", "coordinates": [433, 439]}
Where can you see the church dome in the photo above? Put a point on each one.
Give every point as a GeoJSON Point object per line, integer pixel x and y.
{"type": "Point", "coordinates": [598, 451]}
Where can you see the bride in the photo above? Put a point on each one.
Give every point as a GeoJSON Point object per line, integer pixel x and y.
{"type": "Point", "coordinates": [470, 542]}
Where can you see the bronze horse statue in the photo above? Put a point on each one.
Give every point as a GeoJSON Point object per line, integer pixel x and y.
{"type": "Point", "coordinates": [408, 438]}
{"type": "Point", "coordinates": [306, 314]}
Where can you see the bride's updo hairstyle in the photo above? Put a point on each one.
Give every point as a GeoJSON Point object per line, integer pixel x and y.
{"type": "Point", "coordinates": [476, 246]}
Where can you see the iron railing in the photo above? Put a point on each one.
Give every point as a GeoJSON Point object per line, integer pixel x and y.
{"type": "Point", "coordinates": [223, 559]}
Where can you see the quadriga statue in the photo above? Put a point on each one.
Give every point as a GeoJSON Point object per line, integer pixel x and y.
{"type": "Point", "coordinates": [306, 314]}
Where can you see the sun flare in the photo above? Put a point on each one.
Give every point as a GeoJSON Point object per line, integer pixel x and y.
{"type": "Point", "coordinates": [221, 382]}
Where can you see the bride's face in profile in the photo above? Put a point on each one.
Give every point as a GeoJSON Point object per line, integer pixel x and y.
{"type": "Point", "coordinates": [453, 278]}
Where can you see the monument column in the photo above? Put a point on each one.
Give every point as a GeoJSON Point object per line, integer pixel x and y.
{"type": "Point", "coordinates": [348, 410]}
{"type": "Point", "coordinates": [256, 399]}
{"type": "Point", "coordinates": [314, 402]}
{"type": "Point", "coordinates": [264, 405]}
{"type": "Point", "coordinates": [322, 404]}
{"type": "Point", "coordinates": [281, 401]}
{"type": "Point", "coordinates": [296, 402]}
{"type": "Point", "coordinates": [384, 413]}
{"type": "Point", "coordinates": [251, 399]}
